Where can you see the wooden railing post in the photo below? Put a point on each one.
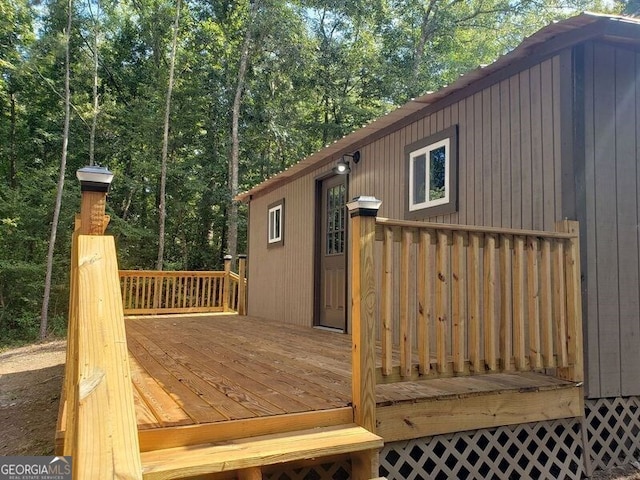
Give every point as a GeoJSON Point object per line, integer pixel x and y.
{"type": "Point", "coordinates": [242, 286]}
{"type": "Point", "coordinates": [363, 298]}
{"type": "Point", "coordinates": [226, 291]}
{"type": "Point", "coordinates": [575, 371]}
{"type": "Point", "coordinates": [101, 430]}
{"type": "Point", "coordinates": [94, 185]}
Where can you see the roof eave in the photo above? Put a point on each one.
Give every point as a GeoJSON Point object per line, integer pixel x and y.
{"type": "Point", "coordinates": [549, 39]}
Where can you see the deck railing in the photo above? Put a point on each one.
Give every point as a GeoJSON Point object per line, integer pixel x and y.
{"type": "Point", "coordinates": [459, 300]}
{"type": "Point", "coordinates": [462, 300]}
{"type": "Point", "coordinates": [157, 292]}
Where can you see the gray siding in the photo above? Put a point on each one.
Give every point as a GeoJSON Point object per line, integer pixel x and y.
{"type": "Point", "coordinates": [610, 209]}
{"type": "Point", "coordinates": [508, 174]}
{"type": "Point", "coordinates": [509, 154]}
{"type": "Point", "coordinates": [281, 283]}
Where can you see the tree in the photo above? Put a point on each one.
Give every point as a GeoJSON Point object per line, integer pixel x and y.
{"type": "Point", "coordinates": [165, 141]}
{"type": "Point", "coordinates": [96, 58]}
{"type": "Point", "coordinates": [232, 219]}
{"type": "Point", "coordinates": [44, 314]}
{"type": "Point", "coordinates": [631, 7]}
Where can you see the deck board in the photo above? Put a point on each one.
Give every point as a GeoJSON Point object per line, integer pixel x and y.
{"type": "Point", "coordinates": [195, 370]}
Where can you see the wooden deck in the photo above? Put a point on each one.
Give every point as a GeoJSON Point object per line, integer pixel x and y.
{"type": "Point", "coordinates": [220, 377]}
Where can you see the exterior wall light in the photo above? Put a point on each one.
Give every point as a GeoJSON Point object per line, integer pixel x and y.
{"type": "Point", "coordinates": [342, 166]}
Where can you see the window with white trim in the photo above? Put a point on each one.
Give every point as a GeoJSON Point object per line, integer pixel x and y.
{"type": "Point", "coordinates": [275, 224]}
{"type": "Point", "coordinates": [428, 175]}
{"type": "Point", "coordinates": [431, 171]}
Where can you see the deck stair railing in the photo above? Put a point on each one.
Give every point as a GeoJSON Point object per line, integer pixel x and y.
{"type": "Point", "coordinates": [163, 292]}
{"type": "Point", "coordinates": [98, 411]}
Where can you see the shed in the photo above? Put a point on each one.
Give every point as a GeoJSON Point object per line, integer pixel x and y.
{"type": "Point", "coordinates": [547, 132]}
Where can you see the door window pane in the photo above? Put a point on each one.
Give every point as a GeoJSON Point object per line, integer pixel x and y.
{"type": "Point", "coordinates": [335, 216]}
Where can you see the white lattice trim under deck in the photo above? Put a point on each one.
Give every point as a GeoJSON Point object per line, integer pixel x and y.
{"type": "Point", "coordinates": [541, 450]}
{"type": "Point", "coordinates": [614, 430]}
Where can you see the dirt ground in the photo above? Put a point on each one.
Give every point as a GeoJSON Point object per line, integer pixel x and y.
{"type": "Point", "coordinates": [30, 383]}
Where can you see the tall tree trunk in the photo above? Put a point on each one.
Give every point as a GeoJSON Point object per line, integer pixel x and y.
{"type": "Point", "coordinates": [13, 169]}
{"type": "Point", "coordinates": [232, 219]}
{"type": "Point", "coordinates": [162, 208]}
{"type": "Point", "coordinates": [44, 314]}
{"type": "Point", "coordinates": [94, 120]}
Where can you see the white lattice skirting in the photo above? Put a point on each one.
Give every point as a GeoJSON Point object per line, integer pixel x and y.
{"type": "Point", "coordinates": [542, 450]}
{"type": "Point", "coordinates": [613, 425]}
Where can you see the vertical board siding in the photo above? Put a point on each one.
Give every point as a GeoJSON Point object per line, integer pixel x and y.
{"type": "Point", "coordinates": [591, 267]}
{"type": "Point", "coordinates": [611, 204]}
{"type": "Point", "coordinates": [503, 169]}
{"type": "Point", "coordinates": [508, 154]}
{"type": "Point", "coordinates": [627, 221]}
{"type": "Point", "coordinates": [281, 279]}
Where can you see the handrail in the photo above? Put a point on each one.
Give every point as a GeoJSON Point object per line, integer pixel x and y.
{"type": "Point", "coordinates": [101, 429]}
{"type": "Point", "coordinates": [155, 292]}
{"type": "Point", "coordinates": [472, 228]}
{"type": "Point", "coordinates": [471, 300]}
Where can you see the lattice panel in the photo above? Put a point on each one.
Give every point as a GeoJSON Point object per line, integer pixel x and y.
{"type": "Point", "coordinates": [327, 471]}
{"type": "Point", "coordinates": [613, 425]}
{"type": "Point", "coordinates": [543, 450]}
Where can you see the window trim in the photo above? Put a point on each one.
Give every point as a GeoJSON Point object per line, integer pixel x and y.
{"type": "Point", "coordinates": [276, 241]}
{"type": "Point", "coordinates": [431, 208]}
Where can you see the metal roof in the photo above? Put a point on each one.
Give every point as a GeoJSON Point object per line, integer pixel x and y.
{"type": "Point", "coordinates": [359, 137]}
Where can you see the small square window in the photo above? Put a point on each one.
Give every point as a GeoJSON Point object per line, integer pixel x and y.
{"type": "Point", "coordinates": [431, 174]}
{"type": "Point", "coordinates": [275, 224]}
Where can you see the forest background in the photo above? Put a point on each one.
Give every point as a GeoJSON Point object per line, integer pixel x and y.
{"type": "Point", "coordinates": [190, 101]}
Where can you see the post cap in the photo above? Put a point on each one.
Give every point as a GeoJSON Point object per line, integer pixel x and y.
{"type": "Point", "coordinates": [94, 178]}
{"type": "Point", "coordinates": [242, 255]}
{"type": "Point", "coordinates": [227, 257]}
{"type": "Point", "coordinates": [364, 205]}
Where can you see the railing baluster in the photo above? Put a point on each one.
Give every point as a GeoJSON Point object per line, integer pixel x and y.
{"type": "Point", "coordinates": [150, 291]}
{"type": "Point", "coordinates": [458, 306]}
{"type": "Point", "coordinates": [559, 304]}
{"type": "Point", "coordinates": [519, 320]}
{"type": "Point", "coordinates": [425, 305]}
{"type": "Point", "coordinates": [490, 302]}
{"type": "Point", "coordinates": [442, 300]}
{"type": "Point", "coordinates": [533, 288]}
{"type": "Point", "coordinates": [387, 301]}
{"type": "Point", "coordinates": [473, 273]}
{"type": "Point", "coordinates": [506, 303]}
{"type": "Point", "coordinates": [405, 323]}
{"type": "Point", "coordinates": [174, 281]}
{"type": "Point", "coordinates": [220, 298]}
{"type": "Point", "coordinates": [130, 302]}
{"type": "Point", "coordinates": [546, 308]}
{"type": "Point", "coordinates": [157, 291]}
{"type": "Point", "coordinates": [138, 292]}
